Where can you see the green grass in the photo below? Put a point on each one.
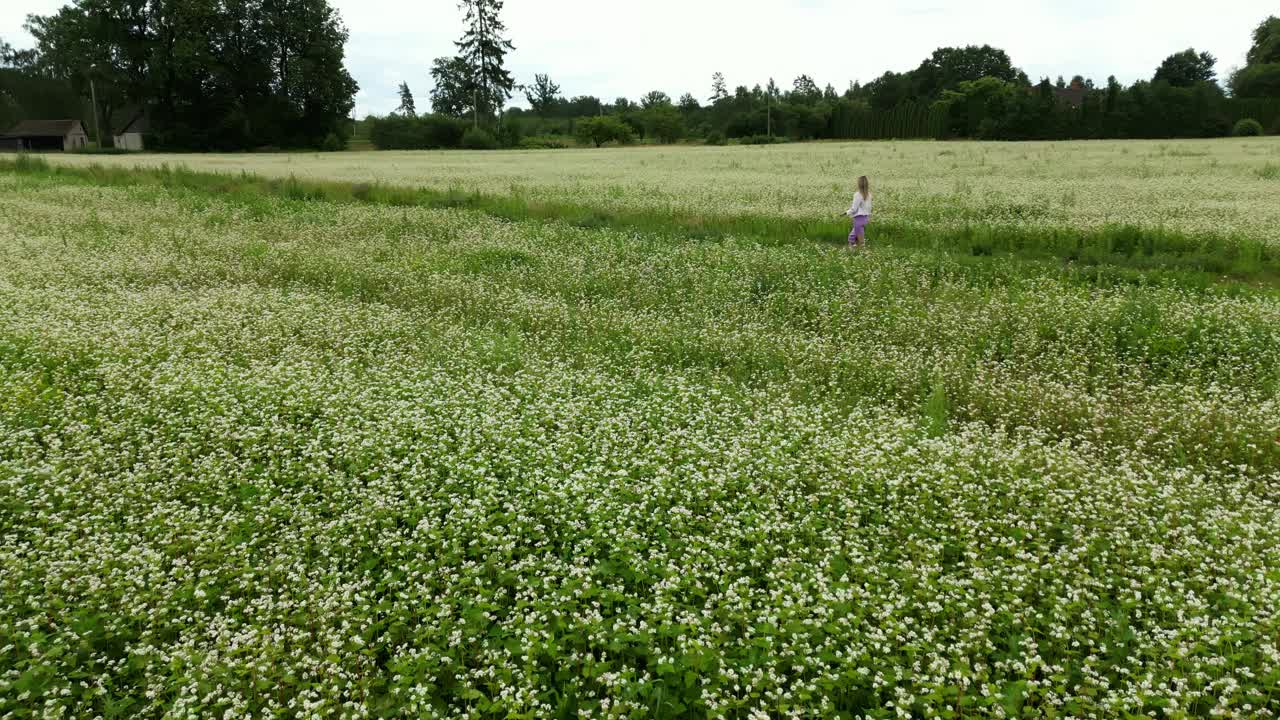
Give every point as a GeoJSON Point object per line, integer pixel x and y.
{"type": "Point", "coordinates": [359, 140]}
{"type": "Point", "coordinates": [1118, 251]}
{"type": "Point", "coordinates": [267, 445]}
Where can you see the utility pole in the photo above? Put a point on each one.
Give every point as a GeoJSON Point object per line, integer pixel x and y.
{"type": "Point", "coordinates": [93, 95]}
{"type": "Point", "coordinates": [475, 105]}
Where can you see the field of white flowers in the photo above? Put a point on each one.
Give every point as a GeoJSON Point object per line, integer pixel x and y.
{"type": "Point", "coordinates": [263, 458]}
{"type": "Point", "coordinates": [1223, 186]}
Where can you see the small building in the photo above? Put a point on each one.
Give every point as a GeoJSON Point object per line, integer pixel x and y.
{"type": "Point", "coordinates": [129, 136]}
{"type": "Point", "coordinates": [1071, 95]}
{"type": "Point", "coordinates": [45, 135]}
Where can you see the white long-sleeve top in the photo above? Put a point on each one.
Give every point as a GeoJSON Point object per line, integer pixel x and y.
{"type": "Point", "coordinates": [860, 206]}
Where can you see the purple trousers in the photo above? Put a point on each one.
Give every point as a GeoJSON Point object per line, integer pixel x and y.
{"type": "Point", "coordinates": [858, 235]}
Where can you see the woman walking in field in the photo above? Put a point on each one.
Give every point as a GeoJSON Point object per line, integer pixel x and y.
{"type": "Point", "coordinates": [860, 213]}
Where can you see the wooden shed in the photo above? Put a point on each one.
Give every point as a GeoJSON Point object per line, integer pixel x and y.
{"type": "Point", "coordinates": [45, 135]}
{"type": "Point", "coordinates": [129, 137]}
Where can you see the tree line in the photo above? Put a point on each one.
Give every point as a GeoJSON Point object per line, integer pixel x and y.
{"type": "Point", "coordinates": [957, 92]}
{"type": "Point", "coordinates": [243, 74]}
{"type": "Point", "coordinates": [209, 76]}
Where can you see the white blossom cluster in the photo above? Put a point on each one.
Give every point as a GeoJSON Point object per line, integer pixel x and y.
{"type": "Point", "coordinates": [264, 459]}
{"type": "Point", "coordinates": [1222, 187]}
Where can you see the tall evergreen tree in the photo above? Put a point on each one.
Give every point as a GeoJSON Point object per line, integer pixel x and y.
{"type": "Point", "coordinates": [406, 108]}
{"type": "Point", "coordinates": [719, 90]}
{"type": "Point", "coordinates": [484, 49]}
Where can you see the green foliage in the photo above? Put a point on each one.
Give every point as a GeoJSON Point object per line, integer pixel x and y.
{"type": "Point", "coordinates": [715, 137]}
{"type": "Point", "coordinates": [1266, 43]}
{"type": "Point", "coordinates": [974, 108]}
{"type": "Point", "coordinates": [719, 89]}
{"type": "Point", "coordinates": [30, 164]}
{"type": "Point", "coordinates": [544, 142]}
{"type": "Point", "coordinates": [482, 51]}
{"type": "Point", "coordinates": [453, 93]}
{"type": "Point", "coordinates": [1186, 69]}
{"type": "Point", "coordinates": [664, 123]}
{"type": "Point", "coordinates": [1247, 127]}
{"type": "Point", "coordinates": [654, 99]}
{"type": "Point", "coordinates": [543, 94]}
{"type": "Point", "coordinates": [425, 132]}
{"type": "Point", "coordinates": [1260, 80]}
{"type": "Point", "coordinates": [1260, 77]}
{"type": "Point", "coordinates": [333, 143]}
{"type": "Point", "coordinates": [937, 408]}
{"type": "Point", "coordinates": [948, 67]}
{"type": "Point", "coordinates": [25, 94]}
{"type": "Point", "coordinates": [285, 85]}
{"type": "Point", "coordinates": [407, 106]}
{"type": "Point", "coordinates": [479, 139]}
{"type": "Point", "coordinates": [510, 132]}
{"type": "Point", "coordinates": [526, 459]}
{"type": "Point", "coordinates": [605, 129]}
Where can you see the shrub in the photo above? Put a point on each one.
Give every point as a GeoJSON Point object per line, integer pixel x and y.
{"type": "Point", "coordinates": [759, 140]}
{"type": "Point", "coordinates": [425, 132]}
{"type": "Point", "coordinates": [333, 143]}
{"type": "Point", "coordinates": [479, 139]}
{"type": "Point", "coordinates": [509, 133]}
{"type": "Point", "coordinates": [1247, 127]}
{"type": "Point", "coordinates": [544, 142]}
{"type": "Point", "coordinates": [715, 137]}
{"type": "Point", "coordinates": [600, 130]}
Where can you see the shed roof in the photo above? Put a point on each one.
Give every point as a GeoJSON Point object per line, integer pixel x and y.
{"type": "Point", "coordinates": [137, 123]}
{"type": "Point", "coordinates": [43, 128]}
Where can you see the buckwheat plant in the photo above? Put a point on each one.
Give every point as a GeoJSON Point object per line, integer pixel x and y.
{"type": "Point", "coordinates": [267, 458]}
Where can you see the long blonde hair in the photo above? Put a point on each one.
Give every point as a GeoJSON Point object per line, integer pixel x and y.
{"type": "Point", "coordinates": [864, 187]}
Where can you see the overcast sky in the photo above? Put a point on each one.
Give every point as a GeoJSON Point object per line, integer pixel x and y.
{"type": "Point", "coordinates": [609, 49]}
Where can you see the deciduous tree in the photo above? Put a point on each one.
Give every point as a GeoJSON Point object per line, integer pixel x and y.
{"type": "Point", "coordinates": [452, 94]}
{"type": "Point", "coordinates": [1266, 43]}
{"type": "Point", "coordinates": [213, 75]}
{"type": "Point", "coordinates": [654, 98]}
{"type": "Point", "coordinates": [1186, 68]}
{"type": "Point", "coordinates": [600, 130]}
{"type": "Point", "coordinates": [664, 123]}
{"type": "Point", "coordinates": [542, 94]}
